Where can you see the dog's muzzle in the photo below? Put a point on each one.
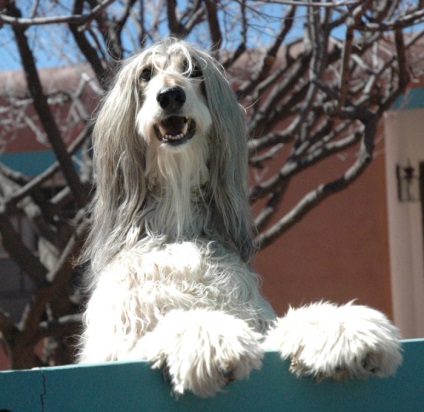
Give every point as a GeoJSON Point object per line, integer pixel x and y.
{"type": "Point", "coordinates": [173, 129]}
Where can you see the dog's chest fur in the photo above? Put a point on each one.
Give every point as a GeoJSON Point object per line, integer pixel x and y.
{"type": "Point", "coordinates": [149, 280]}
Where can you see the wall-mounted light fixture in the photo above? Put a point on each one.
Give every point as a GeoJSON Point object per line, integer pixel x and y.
{"type": "Point", "coordinates": [408, 181]}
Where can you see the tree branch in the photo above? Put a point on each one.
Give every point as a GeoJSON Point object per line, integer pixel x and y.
{"type": "Point", "coordinates": [87, 49]}
{"type": "Point", "coordinates": [214, 27]}
{"type": "Point", "coordinates": [176, 28]}
{"type": "Point", "coordinates": [34, 183]}
{"type": "Point", "coordinates": [23, 23]}
{"type": "Point", "coordinates": [22, 256]}
{"type": "Point", "coordinates": [315, 197]}
{"type": "Point", "coordinates": [57, 280]}
{"type": "Point", "coordinates": [44, 113]}
{"type": "Point", "coordinates": [65, 325]}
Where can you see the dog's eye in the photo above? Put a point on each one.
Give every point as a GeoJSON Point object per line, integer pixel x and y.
{"type": "Point", "coordinates": [146, 74]}
{"type": "Point", "coordinates": [196, 72]}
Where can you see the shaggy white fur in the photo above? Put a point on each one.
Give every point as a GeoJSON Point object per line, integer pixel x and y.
{"type": "Point", "coordinates": [170, 241]}
{"type": "Point", "coordinates": [212, 345]}
{"type": "Point", "coordinates": [327, 341]}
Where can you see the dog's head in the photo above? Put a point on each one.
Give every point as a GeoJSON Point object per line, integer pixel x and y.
{"type": "Point", "coordinates": [170, 115]}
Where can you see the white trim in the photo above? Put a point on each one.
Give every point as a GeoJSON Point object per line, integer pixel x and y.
{"type": "Point", "coordinates": [404, 132]}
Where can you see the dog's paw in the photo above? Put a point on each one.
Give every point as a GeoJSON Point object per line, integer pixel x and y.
{"type": "Point", "coordinates": [201, 350]}
{"type": "Point", "coordinates": [327, 341]}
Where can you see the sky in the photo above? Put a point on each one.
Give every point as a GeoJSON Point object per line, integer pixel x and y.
{"type": "Point", "coordinates": [54, 46]}
{"type": "Point", "coordinates": [41, 40]}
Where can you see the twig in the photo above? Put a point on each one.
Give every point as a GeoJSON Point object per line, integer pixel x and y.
{"type": "Point", "coordinates": [37, 21]}
{"type": "Point", "coordinates": [316, 196]}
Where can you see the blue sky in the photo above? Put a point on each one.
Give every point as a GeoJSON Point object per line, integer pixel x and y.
{"type": "Point", "coordinates": [54, 46]}
{"type": "Point", "coordinates": [39, 38]}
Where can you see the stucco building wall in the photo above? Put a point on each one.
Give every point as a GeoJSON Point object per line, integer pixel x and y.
{"type": "Point", "coordinates": [339, 251]}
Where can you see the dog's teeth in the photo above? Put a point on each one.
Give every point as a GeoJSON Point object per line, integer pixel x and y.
{"type": "Point", "coordinates": [176, 136]}
{"type": "Point", "coordinates": [172, 137]}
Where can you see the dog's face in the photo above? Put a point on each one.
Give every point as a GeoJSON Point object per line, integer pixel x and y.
{"type": "Point", "coordinates": [174, 110]}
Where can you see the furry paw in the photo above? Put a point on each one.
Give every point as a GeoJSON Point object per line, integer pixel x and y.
{"type": "Point", "coordinates": [327, 341]}
{"type": "Point", "coordinates": [201, 350]}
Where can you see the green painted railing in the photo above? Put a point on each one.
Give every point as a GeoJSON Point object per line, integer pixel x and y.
{"type": "Point", "coordinates": [134, 386]}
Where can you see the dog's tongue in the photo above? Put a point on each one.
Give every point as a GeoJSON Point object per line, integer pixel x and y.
{"type": "Point", "coordinates": [173, 126]}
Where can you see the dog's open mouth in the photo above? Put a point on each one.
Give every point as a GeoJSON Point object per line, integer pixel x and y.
{"type": "Point", "coordinates": [175, 130]}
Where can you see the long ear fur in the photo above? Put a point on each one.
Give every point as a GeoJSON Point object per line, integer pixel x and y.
{"type": "Point", "coordinates": [228, 162]}
{"type": "Point", "coordinates": [119, 162]}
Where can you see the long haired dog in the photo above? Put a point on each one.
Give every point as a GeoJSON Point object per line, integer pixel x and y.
{"type": "Point", "coordinates": [171, 241]}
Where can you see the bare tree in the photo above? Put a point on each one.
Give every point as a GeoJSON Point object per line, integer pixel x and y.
{"type": "Point", "coordinates": [315, 76]}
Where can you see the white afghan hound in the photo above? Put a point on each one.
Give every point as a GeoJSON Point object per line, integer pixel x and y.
{"type": "Point", "coordinates": [171, 241]}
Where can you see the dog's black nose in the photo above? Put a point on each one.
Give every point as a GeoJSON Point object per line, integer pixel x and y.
{"type": "Point", "coordinates": [171, 98]}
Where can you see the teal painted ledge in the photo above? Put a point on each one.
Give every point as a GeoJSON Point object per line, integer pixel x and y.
{"type": "Point", "coordinates": [135, 387]}
{"type": "Point", "coordinates": [30, 163]}
{"type": "Point", "coordinates": [412, 99]}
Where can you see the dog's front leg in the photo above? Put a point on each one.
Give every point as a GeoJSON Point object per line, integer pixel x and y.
{"type": "Point", "coordinates": [105, 338]}
{"type": "Point", "coordinates": [328, 341]}
{"type": "Point", "coordinates": [201, 350]}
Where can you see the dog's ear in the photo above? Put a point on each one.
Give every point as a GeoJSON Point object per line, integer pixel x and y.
{"type": "Point", "coordinates": [119, 151]}
{"type": "Point", "coordinates": [119, 158]}
{"type": "Point", "coordinates": [228, 168]}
